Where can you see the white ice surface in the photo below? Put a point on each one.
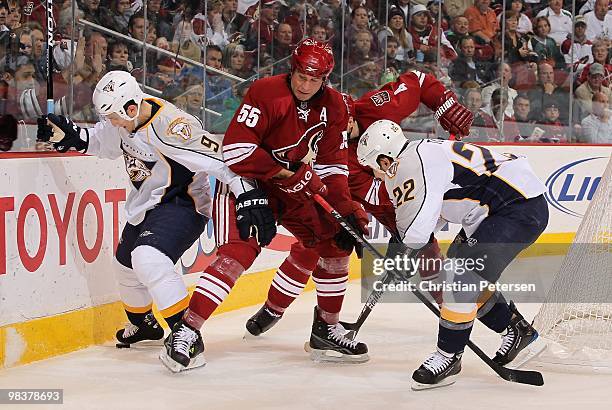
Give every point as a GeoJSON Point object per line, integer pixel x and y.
{"type": "Point", "coordinates": [275, 372]}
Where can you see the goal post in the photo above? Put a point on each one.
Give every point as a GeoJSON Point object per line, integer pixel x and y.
{"type": "Point", "coordinates": [576, 318]}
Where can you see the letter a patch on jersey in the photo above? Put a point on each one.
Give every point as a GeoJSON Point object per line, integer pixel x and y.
{"type": "Point", "coordinates": [380, 98]}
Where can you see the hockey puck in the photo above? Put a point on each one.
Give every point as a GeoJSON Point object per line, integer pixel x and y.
{"type": "Point", "coordinates": [122, 345]}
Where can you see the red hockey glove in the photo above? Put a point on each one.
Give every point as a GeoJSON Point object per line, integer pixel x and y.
{"type": "Point", "coordinates": [452, 116]}
{"type": "Point", "coordinates": [430, 263]}
{"type": "Point", "coordinates": [303, 184]}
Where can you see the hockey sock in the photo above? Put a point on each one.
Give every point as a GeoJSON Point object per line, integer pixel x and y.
{"type": "Point", "coordinates": [212, 288]}
{"type": "Point", "coordinates": [172, 320]}
{"type": "Point", "coordinates": [136, 318]}
{"type": "Point", "coordinates": [330, 277]}
{"type": "Point", "coordinates": [291, 277]}
{"type": "Point", "coordinates": [498, 318]}
{"type": "Point", "coordinates": [454, 340]}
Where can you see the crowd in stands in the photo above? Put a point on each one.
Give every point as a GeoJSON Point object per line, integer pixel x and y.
{"type": "Point", "coordinates": [530, 70]}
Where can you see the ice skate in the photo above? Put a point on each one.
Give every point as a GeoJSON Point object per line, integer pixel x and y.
{"type": "Point", "coordinates": [183, 349]}
{"type": "Point", "coordinates": [149, 331]}
{"type": "Point", "coordinates": [439, 369]}
{"type": "Point", "coordinates": [261, 322]}
{"type": "Point", "coordinates": [518, 335]}
{"type": "Point", "coordinates": [329, 343]}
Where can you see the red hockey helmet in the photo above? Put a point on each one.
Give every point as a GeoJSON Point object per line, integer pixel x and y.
{"type": "Point", "coordinates": [313, 58]}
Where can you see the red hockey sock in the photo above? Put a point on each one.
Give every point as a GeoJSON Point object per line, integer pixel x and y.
{"type": "Point", "coordinates": [330, 277]}
{"type": "Point", "coordinates": [291, 277]}
{"type": "Point", "coordinates": [212, 288]}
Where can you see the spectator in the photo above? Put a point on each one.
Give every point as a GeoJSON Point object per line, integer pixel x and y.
{"type": "Point", "coordinates": [136, 30]}
{"type": "Point", "coordinates": [554, 130]}
{"type": "Point", "coordinates": [599, 21]}
{"type": "Point", "coordinates": [328, 10]}
{"type": "Point", "coordinates": [364, 79]}
{"type": "Point", "coordinates": [584, 93]}
{"type": "Point", "coordinates": [281, 49]}
{"type": "Point", "coordinates": [546, 89]}
{"type": "Point", "coordinates": [235, 25]}
{"type": "Point", "coordinates": [597, 127]}
{"type": "Point", "coordinates": [581, 48]}
{"type": "Point", "coordinates": [425, 37]}
{"type": "Point", "coordinates": [90, 58]}
{"type": "Point", "coordinates": [4, 11]}
{"type": "Point", "coordinates": [524, 23]}
{"type": "Point", "coordinates": [25, 42]}
{"type": "Point", "coordinates": [361, 48]}
{"type": "Point", "coordinates": [515, 44]}
{"type": "Point", "coordinates": [262, 30]}
{"type": "Point", "coordinates": [391, 60]}
{"type": "Point", "coordinates": [118, 53]}
{"type": "Point", "coordinates": [92, 11]}
{"type": "Point", "coordinates": [472, 100]}
{"type": "Point", "coordinates": [456, 8]}
{"type": "Point", "coordinates": [397, 29]}
{"type": "Point", "coordinates": [359, 23]}
{"type": "Point", "coordinates": [560, 20]}
{"type": "Point", "coordinates": [601, 56]}
{"type": "Point", "coordinates": [208, 28]}
{"type": "Point", "coordinates": [234, 60]}
{"type": "Point", "coordinates": [191, 100]}
{"type": "Point", "coordinates": [544, 45]}
{"type": "Point", "coordinates": [459, 31]}
{"type": "Point", "coordinates": [372, 20]}
{"type": "Point", "coordinates": [404, 7]}
{"type": "Point", "coordinates": [503, 81]}
{"type": "Point", "coordinates": [482, 21]}
{"type": "Point", "coordinates": [118, 15]}
{"type": "Point", "coordinates": [217, 86]}
{"type": "Point", "coordinates": [464, 68]}
{"type": "Point", "coordinates": [318, 32]}
{"type": "Point", "coordinates": [499, 126]}
{"type": "Point", "coordinates": [437, 10]}
{"type": "Point", "coordinates": [523, 118]}
{"type": "Point", "coordinates": [156, 17]}
{"type": "Point", "coordinates": [13, 19]}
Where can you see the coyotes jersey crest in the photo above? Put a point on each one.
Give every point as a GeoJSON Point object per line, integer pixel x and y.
{"type": "Point", "coordinates": [304, 150]}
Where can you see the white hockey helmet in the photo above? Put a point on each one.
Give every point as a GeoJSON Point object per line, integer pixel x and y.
{"type": "Point", "coordinates": [114, 91]}
{"type": "Point", "coordinates": [382, 137]}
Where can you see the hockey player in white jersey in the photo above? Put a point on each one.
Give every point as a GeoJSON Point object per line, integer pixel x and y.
{"type": "Point", "coordinates": [168, 157]}
{"type": "Point", "coordinates": [499, 202]}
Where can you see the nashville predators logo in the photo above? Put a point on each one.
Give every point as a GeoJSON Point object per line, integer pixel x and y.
{"type": "Point", "coordinates": [180, 128]}
{"type": "Point", "coordinates": [380, 98]}
{"type": "Point", "coordinates": [136, 169]}
{"type": "Point", "coordinates": [110, 87]}
{"type": "Point", "coordinates": [304, 150]}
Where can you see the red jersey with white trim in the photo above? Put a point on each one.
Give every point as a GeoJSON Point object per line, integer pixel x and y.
{"type": "Point", "coordinates": [272, 130]}
{"type": "Point", "coordinates": [393, 101]}
{"type": "Point", "coordinates": [397, 100]}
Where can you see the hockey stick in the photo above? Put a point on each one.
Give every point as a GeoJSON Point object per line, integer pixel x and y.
{"type": "Point", "coordinates": [50, 102]}
{"type": "Point", "coordinates": [518, 376]}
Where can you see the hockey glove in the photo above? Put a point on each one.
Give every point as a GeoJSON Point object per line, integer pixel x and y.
{"type": "Point", "coordinates": [254, 217]}
{"type": "Point", "coordinates": [303, 184]}
{"type": "Point", "coordinates": [53, 126]}
{"type": "Point", "coordinates": [452, 116]}
{"type": "Point", "coordinates": [359, 222]}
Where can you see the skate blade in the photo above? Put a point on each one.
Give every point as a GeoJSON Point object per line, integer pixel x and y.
{"type": "Point", "coordinates": [533, 350]}
{"type": "Point", "coordinates": [332, 356]}
{"type": "Point", "coordinates": [249, 337]}
{"type": "Point", "coordinates": [175, 367]}
{"type": "Point", "coordinates": [416, 386]}
{"type": "Point", "coordinates": [143, 344]}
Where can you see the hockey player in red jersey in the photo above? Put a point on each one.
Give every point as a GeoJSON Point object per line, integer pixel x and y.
{"type": "Point", "coordinates": [395, 101]}
{"type": "Point", "coordinates": [289, 136]}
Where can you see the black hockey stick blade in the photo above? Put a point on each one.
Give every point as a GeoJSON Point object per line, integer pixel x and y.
{"type": "Point", "coordinates": [530, 377]}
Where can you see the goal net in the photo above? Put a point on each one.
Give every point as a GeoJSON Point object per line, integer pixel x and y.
{"type": "Point", "coordinates": [576, 318]}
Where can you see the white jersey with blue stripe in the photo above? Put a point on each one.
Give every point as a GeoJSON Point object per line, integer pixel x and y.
{"type": "Point", "coordinates": [167, 158]}
{"type": "Point", "coordinates": [437, 181]}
